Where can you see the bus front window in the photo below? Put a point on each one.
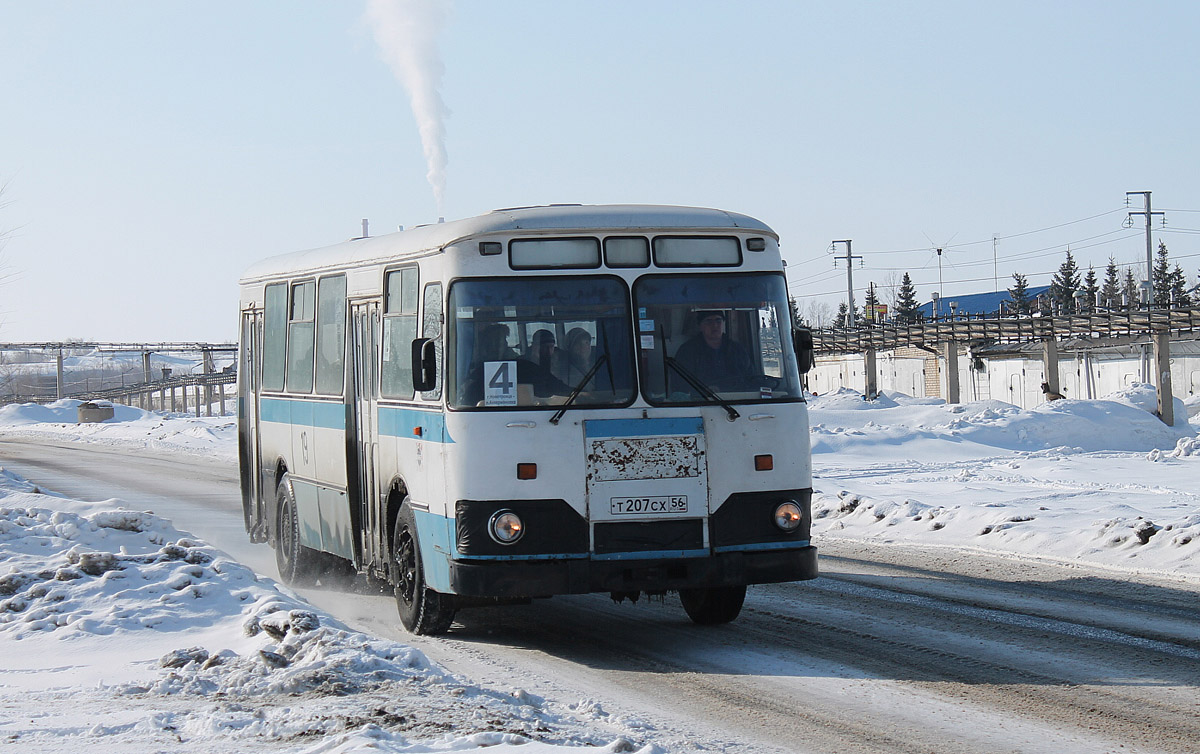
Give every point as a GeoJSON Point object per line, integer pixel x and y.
{"type": "Point", "coordinates": [715, 337]}
{"type": "Point", "coordinates": [534, 341]}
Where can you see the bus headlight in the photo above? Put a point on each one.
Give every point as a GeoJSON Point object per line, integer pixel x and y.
{"type": "Point", "coordinates": [506, 527]}
{"type": "Point", "coordinates": [788, 516]}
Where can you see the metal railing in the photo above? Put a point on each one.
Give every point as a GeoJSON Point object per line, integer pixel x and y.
{"type": "Point", "coordinates": [171, 394]}
{"type": "Point", "coordinates": [888, 335]}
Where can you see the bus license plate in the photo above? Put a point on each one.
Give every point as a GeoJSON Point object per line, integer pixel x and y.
{"type": "Point", "coordinates": [661, 504]}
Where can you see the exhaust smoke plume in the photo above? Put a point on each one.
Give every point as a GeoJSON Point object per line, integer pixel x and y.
{"type": "Point", "coordinates": [406, 31]}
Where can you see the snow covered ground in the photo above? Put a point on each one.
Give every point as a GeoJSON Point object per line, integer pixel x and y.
{"type": "Point", "coordinates": [120, 633]}
{"type": "Point", "coordinates": [1101, 482]}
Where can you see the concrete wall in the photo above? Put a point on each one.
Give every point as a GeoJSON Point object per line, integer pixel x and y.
{"type": "Point", "coordinates": [904, 374]}
{"type": "Point", "coordinates": [1012, 379]}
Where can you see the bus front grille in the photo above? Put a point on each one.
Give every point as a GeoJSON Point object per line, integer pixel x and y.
{"type": "Point", "coordinates": [648, 536]}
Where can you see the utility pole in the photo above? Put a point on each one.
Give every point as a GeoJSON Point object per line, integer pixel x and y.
{"type": "Point", "coordinates": [1149, 245]}
{"type": "Point", "coordinates": [1162, 337]}
{"type": "Point", "coordinates": [995, 265]}
{"type": "Point", "coordinates": [849, 281]}
{"type": "Point", "coordinates": [939, 253]}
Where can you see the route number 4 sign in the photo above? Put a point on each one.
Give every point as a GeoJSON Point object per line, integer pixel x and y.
{"type": "Point", "coordinates": [500, 383]}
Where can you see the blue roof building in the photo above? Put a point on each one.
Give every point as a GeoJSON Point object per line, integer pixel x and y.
{"type": "Point", "coordinates": [978, 303]}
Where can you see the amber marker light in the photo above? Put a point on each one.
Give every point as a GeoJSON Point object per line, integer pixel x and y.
{"type": "Point", "coordinates": [526, 471]}
{"type": "Point", "coordinates": [764, 462]}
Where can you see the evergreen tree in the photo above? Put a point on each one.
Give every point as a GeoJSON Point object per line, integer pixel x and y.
{"type": "Point", "coordinates": [1110, 294]}
{"type": "Point", "coordinates": [841, 315]}
{"type": "Point", "coordinates": [1064, 285]}
{"type": "Point", "coordinates": [1162, 276]}
{"type": "Point", "coordinates": [1019, 294]}
{"type": "Point", "coordinates": [1091, 289]}
{"type": "Point", "coordinates": [1129, 291]}
{"type": "Point", "coordinates": [1179, 288]}
{"type": "Point", "coordinates": [794, 312]}
{"type": "Point", "coordinates": [908, 311]}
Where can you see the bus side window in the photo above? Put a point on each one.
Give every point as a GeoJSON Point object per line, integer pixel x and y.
{"type": "Point", "coordinates": [331, 334]}
{"type": "Point", "coordinates": [399, 330]}
{"type": "Point", "coordinates": [431, 327]}
{"type": "Point", "coordinates": [274, 336]}
{"type": "Point", "coordinates": [300, 337]}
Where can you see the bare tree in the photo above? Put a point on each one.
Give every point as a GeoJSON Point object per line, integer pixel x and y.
{"type": "Point", "coordinates": [815, 313]}
{"type": "Point", "coordinates": [7, 375]}
{"type": "Point", "coordinates": [890, 291]}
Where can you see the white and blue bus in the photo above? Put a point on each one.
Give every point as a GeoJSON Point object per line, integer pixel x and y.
{"type": "Point", "coordinates": [534, 402]}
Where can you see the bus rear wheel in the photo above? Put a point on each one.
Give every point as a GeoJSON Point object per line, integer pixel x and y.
{"type": "Point", "coordinates": [297, 563]}
{"type": "Point", "coordinates": [713, 605]}
{"type": "Point", "coordinates": [422, 611]}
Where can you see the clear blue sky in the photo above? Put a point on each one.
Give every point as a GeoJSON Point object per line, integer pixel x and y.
{"type": "Point", "coordinates": [153, 150]}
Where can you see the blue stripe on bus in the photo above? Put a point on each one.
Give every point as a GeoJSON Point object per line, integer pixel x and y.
{"type": "Point", "coordinates": [764, 546]}
{"type": "Point", "coordinates": [304, 412]}
{"type": "Point", "coordinates": [651, 554]}
{"type": "Point", "coordinates": [393, 422]}
{"type": "Point", "coordinates": [642, 555]}
{"type": "Point", "coordinates": [400, 422]}
{"type": "Point", "coordinates": [685, 425]}
{"type": "Point", "coordinates": [552, 556]}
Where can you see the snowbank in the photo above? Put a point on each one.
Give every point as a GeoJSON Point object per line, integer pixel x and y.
{"type": "Point", "coordinates": [120, 633]}
{"type": "Point", "coordinates": [129, 428]}
{"type": "Point", "coordinates": [1097, 481]}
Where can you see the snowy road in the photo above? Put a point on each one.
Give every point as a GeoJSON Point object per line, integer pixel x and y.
{"type": "Point", "coordinates": [893, 649]}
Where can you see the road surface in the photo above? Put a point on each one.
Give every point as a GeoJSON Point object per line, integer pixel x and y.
{"type": "Point", "coordinates": [890, 650]}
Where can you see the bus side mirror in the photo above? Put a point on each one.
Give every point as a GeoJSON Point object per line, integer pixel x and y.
{"type": "Point", "coordinates": [424, 365]}
{"type": "Point", "coordinates": [802, 340]}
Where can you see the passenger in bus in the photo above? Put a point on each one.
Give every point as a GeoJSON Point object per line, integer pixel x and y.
{"type": "Point", "coordinates": [538, 369]}
{"type": "Point", "coordinates": [573, 363]}
{"type": "Point", "coordinates": [492, 345]}
{"type": "Point", "coordinates": [712, 357]}
{"type": "Point", "coordinates": [543, 351]}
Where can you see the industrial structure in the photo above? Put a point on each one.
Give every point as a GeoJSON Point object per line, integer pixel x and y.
{"type": "Point", "coordinates": [177, 377]}
{"type": "Point", "coordinates": [993, 356]}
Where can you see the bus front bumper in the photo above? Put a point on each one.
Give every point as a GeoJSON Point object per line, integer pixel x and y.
{"type": "Point", "coordinates": [545, 578]}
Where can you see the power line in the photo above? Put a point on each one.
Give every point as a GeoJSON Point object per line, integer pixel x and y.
{"type": "Point", "coordinates": [1001, 238]}
{"type": "Point", "coordinates": [1076, 245]}
{"type": "Point", "coordinates": [1027, 275]}
{"type": "Point", "coordinates": [1048, 251]}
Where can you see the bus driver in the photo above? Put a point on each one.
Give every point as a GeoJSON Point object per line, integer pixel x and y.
{"type": "Point", "coordinates": [712, 357]}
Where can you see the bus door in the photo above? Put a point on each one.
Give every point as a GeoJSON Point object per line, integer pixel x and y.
{"type": "Point", "coordinates": [364, 449]}
{"type": "Point", "coordinates": [249, 445]}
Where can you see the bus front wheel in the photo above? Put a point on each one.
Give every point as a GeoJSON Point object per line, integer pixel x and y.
{"type": "Point", "coordinates": [297, 563]}
{"type": "Point", "coordinates": [422, 611]}
{"type": "Point", "coordinates": [713, 605]}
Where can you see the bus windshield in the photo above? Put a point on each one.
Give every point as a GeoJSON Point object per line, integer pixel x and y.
{"type": "Point", "coordinates": [715, 338]}
{"type": "Point", "coordinates": [535, 341]}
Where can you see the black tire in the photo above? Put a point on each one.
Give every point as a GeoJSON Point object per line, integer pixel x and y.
{"type": "Point", "coordinates": [422, 611]}
{"type": "Point", "coordinates": [714, 605]}
{"type": "Point", "coordinates": [298, 565]}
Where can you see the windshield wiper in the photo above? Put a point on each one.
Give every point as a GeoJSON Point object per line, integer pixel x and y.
{"type": "Point", "coordinates": [701, 388]}
{"type": "Point", "coordinates": [579, 388]}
